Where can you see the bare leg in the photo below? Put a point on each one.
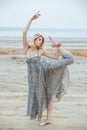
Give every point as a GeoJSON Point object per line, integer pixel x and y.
{"type": "Point", "coordinates": [69, 59]}
{"type": "Point", "coordinates": [58, 45]}
{"type": "Point", "coordinates": [62, 50]}
{"type": "Point", "coordinates": [48, 120]}
{"type": "Point", "coordinates": [49, 110]}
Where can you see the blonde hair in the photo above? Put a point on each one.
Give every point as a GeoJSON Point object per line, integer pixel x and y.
{"type": "Point", "coordinates": [37, 35]}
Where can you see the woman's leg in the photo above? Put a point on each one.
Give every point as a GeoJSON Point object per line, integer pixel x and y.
{"type": "Point", "coordinates": [62, 50]}
{"type": "Point", "coordinates": [49, 110]}
{"type": "Point", "coordinates": [48, 119]}
{"type": "Point", "coordinates": [58, 45]}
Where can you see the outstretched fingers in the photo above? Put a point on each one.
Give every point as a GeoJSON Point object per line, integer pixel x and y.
{"type": "Point", "coordinates": [38, 14]}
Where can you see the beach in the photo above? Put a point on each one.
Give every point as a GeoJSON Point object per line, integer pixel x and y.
{"type": "Point", "coordinates": [68, 114]}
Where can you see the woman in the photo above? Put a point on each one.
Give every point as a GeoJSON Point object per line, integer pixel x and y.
{"type": "Point", "coordinates": [47, 81]}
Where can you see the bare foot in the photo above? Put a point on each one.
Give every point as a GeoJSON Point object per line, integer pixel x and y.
{"type": "Point", "coordinates": [55, 44]}
{"type": "Point", "coordinates": [59, 44]}
{"type": "Point", "coordinates": [45, 122]}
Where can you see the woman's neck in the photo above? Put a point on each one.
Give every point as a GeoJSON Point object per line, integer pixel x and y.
{"type": "Point", "coordinates": [35, 48]}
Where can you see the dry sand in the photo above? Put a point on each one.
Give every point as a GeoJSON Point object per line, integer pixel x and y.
{"type": "Point", "coordinates": [69, 114]}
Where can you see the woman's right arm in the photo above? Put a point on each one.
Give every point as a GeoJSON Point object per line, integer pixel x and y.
{"type": "Point", "coordinates": [25, 40]}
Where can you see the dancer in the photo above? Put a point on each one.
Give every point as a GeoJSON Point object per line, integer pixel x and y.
{"type": "Point", "coordinates": [48, 81]}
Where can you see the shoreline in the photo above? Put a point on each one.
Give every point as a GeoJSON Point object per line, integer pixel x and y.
{"type": "Point", "coordinates": [18, 51]}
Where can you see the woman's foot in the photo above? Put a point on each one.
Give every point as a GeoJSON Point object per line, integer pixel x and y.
{"type": "Point", "coordinates": [55, 44]}
{"type": "Point", "coordinates": [45, 122]}
{"type": "Point", "coordinates": [59, 44]}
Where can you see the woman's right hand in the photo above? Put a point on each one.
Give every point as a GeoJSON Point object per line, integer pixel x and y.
{"type": "Point", "coordinates": [35, 16]}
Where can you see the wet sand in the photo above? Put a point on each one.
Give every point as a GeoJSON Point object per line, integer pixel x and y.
{"type": "Point", "coordinates": [68, 114]}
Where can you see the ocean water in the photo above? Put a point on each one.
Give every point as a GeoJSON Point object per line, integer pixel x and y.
{"type": "Point", "coordinates": [73, 37]}
{"type": "Point", "coordinates": [11, 32]}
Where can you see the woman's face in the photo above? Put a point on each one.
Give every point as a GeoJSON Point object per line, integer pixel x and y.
{"type": "Point", "coordinates": [38, 41]}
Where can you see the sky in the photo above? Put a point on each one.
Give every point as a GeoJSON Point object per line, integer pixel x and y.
{"type": "Point", "coordinates": [60, 14]}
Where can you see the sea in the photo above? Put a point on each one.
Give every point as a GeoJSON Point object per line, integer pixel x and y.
{"type": "Point", "coordinates": [70, 37]}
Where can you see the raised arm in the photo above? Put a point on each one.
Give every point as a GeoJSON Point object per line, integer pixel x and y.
{"type": "Point", "coordinates": [25, 40]}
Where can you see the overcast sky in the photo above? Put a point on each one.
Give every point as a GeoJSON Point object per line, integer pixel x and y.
{"type": "Point", "coordinates": [63, 14]}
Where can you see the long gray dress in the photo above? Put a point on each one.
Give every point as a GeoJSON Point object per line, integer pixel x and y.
{"type": "Point", "coordinates": [46, 80]}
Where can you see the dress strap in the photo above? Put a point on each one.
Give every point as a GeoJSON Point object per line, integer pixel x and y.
{"type": "Point", "coordinates": [38, 52]}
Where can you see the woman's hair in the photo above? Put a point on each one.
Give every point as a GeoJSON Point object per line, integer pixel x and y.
{"type": "Point", "coordinates": [37, 35]}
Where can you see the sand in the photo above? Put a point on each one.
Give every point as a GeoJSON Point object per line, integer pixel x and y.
{"type": "Point", "coordinates": [68, 114]}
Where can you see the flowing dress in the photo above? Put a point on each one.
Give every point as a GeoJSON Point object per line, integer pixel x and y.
{"type": "Point", "coordinates": [46, 80]}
